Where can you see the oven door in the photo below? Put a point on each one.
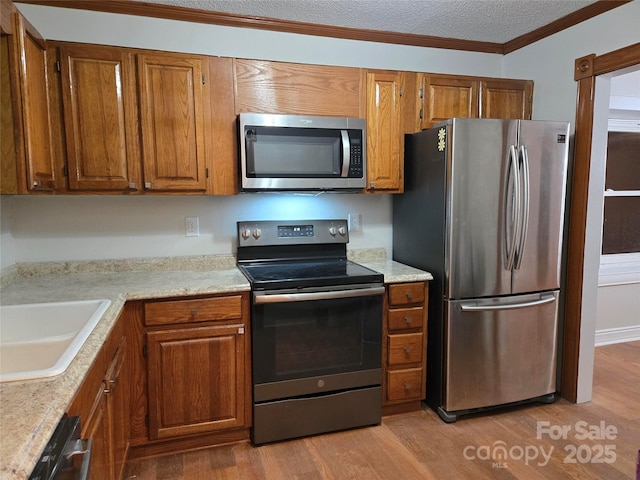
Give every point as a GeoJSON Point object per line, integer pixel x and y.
{"type": "Point", "coordinates": [316, 342]}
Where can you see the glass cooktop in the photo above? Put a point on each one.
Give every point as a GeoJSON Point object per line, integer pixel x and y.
{"type": "Point", "coordinates": [311, 273]}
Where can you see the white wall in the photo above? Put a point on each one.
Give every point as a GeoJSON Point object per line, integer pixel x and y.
{"type": "Point", "coordinates": [85, 227]}
{"type": "Point", "coordinates": [7, 243]}
{"type": "Point", "coordinates": [550, 63]}
{"type": "Point", "coordinates": [57, 228]}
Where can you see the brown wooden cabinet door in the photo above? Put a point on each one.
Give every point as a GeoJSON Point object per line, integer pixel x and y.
{"type": "Point", "coordinates": [8, 158]}
{"type": "Point", "coordinates": [196, 380]}
{"type": "Point", "coordinates": [506, 98]}
{"type": "Point", "coordinates": [384, 131]}
{"type": "Point", "coordinates": [448, 97]}
{"type": "Point", "coordinates": [175, 120]}
{"type": "Point", "coordinates": [118, 406]}
{"type": "Point", "coordinates": [100, 116]}
{"type": "Point", "coordinates": [293, 88]}
{"type": "Point", "coordinates": [98, 430]}
{"type": "Point", "coordinates": [35, 147]}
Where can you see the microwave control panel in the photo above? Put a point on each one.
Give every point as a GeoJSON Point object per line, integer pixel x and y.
{"type": "Point", "coordinates": [355, 165]}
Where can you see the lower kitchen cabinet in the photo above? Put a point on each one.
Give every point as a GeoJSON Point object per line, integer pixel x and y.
{"type": "Point", "coordinates": [192, 376]}
{"type": "Point", "coordinates": [196, 380]}
{"type": "Point", "coordinates": [404, 347]}
{"type": "Point", "coordinates": [102, 403]}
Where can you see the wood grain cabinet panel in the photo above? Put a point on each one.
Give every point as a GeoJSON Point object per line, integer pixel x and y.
{"type": "Point", "coordinates": [227, 307]}
{"type": "Point", "coordinates": [195, 380]}
{"type": "Point", "coordinates": [175, 119]}
{"type": "Point", "coordinates": [293, 88]}
{"type": "Point", "coordinates": [405, 318]}
{"type": "Point", "coordinates": [405, 348]}
{"type": "Point", "coordinates": [447, 97]}
{"type": "Point", "coordinates": [406, 294]}
{"type": "Point", "coordinates": [404, 356]}
{"type": "Point", "coordinates": [505, 98]}
{"type": "Point", "coordinates": [385, 135]}
{"type": "Point", "coordinates": [8, 158]}
{"type": "Point", "coordinates": [34, 154]}
{"type": "Point", "coordinates": [100, 117]}
{"type": "Point", "coordinates": [102, 403]}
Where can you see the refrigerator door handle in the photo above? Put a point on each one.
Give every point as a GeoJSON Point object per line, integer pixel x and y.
{"type": "Point", "coordinates": [524, 219]}
{"type": "Point", "coordinates": [474, 307]}
{"type": "Point", "coordinates": [513, 176]}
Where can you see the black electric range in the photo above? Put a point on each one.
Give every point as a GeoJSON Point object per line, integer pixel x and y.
{"type": "Point", "coordinates": [316, 329]}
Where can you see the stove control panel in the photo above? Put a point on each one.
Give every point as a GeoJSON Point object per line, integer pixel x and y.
{"type": "Point", "coordinates": [292, 232]}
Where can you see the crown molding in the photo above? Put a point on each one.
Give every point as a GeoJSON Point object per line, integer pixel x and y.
{"type": "Point", "coordinates": [579, 16]}
{"type": "Point", "coordinates": [170, 12]}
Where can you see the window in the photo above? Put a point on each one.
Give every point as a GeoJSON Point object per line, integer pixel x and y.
{"type": "Point", "coordinates": [621, 229]}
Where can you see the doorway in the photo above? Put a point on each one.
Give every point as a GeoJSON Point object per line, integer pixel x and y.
{"type": "Point", "coordinates": [579, 331]}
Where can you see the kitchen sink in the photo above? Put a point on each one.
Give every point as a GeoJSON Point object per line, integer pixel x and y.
{"type": "Point", "coordinates": [40, 340]}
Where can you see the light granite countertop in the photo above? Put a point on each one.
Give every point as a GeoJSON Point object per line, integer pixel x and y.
{"type": "Point", "coordinates": [30, 410]}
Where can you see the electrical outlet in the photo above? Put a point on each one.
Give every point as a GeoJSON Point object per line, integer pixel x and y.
{"type": "Point", "coordinates": [191, 226]}
{"type": "Point", "coordinates": [355, 222]}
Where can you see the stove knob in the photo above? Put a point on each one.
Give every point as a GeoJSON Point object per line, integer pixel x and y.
{"type": "Point", "coordinates": [342, 231]}
{"type": "Point", "coordinates": [333, 231]}
{"type": "Point", "coordinates": [246, 233]}
{"type": "Point", "coordinates": [257, 233]}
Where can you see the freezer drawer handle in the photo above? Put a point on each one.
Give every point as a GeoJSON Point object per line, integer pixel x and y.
{"type": "Point", "coordinates": [477, 308]}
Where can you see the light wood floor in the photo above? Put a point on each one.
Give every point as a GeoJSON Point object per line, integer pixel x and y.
{"type": "Point", "coordinates": [420, 446]}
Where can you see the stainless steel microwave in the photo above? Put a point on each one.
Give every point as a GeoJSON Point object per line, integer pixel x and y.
{"type": "Point", "coordinates": [294, 152]}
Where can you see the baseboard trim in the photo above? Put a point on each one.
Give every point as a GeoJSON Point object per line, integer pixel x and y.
{"type": "Point", "coordinates": [610, 336]}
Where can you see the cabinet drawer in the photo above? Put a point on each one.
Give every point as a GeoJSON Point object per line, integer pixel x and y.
{"type": "Point", "coordinates": [193, 311]}
{"type": "Point", "coordinates": [405, 384]}
{"type": "Point", "coordinates": [405, 318]}
{"type": "Point", "coordinates": [405, 348]}
{"type": "Point", "coordinates": [406, 293]}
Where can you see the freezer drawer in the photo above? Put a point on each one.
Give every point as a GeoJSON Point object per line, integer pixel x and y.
{"type": "Point", "coordinates": [500, 350]}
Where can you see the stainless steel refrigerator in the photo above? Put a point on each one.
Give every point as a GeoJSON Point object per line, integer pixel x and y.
{"type": "Point", "coordinates": [483, 211]}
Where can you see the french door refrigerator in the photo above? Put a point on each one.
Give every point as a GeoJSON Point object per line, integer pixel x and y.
{"type": "Point", "coordinates": [483, 212]}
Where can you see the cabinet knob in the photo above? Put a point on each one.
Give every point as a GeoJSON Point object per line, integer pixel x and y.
{"type": "Point", "coordinates": [407, 350]}
{"type": "Point", "coordinates": [36, 183]}
{"type": "Point", "coordinates": [407, 320]}
{"type": "Point", "coordinates": [407, 387]}
{"type": "Point", "coordinates": [194, 312]}
{"type": "Point", "coordinates": [409, 295]}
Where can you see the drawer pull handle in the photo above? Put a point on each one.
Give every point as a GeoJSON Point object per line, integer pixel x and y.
{"type": "Point", "coordinates": [407, 350]}
{"type": "Point", "coordinates": [407, 387]}
{"type": "Point", "coordinates": [409, 295]}
{"type": "Point", "coordinates": [194, 312]}
{"type": "Point", "coordinates": [407, 320]}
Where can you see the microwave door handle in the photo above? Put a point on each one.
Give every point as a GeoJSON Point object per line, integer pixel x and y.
{"type": "Point", "coordinates": [346, 153]}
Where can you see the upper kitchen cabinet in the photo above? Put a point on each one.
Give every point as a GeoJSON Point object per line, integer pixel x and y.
{"type": "Point", "coordinates": [100, 117]}
{"type": "Point", "coordinates": [506, 98]}
{"type": "Point", "coordinates": [385, 131]}
{"type": "Point", "coordinates": [444, 97]}
{"type": "Point", "coordinates": [292, 88]}
{"type": "Point", "coordinates": [25, 112]}
{"type": "Point", "coordinates": [175, 114]}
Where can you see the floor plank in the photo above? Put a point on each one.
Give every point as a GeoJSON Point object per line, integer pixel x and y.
{"type": "Point", "coordinates": [420, 446]}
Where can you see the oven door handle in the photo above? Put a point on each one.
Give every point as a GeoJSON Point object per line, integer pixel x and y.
{"type": "Point", "coordinates": [259, 298]}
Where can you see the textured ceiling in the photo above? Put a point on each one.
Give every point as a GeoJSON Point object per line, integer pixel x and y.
{"type": "Point", "coordinates": [480, 20]}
